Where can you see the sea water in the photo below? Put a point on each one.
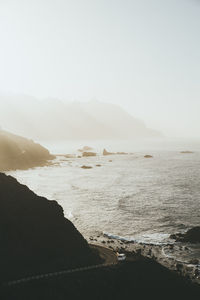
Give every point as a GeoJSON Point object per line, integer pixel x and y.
{"type": "Point", "coordinates": [127, 196]}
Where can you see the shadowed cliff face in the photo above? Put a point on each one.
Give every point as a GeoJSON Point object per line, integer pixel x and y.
{"type": "Point", "coordinates": [34, 235]}
{"type": "Point", "coordinates": [20, 153]}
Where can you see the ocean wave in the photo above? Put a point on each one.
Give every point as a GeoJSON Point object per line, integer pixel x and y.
{"type": "Point", "coordinates": [153, 238]}
{"type": "Point", "coordinates": [117, 237]}
{"type": "Point", "coordinates": [69, 215]}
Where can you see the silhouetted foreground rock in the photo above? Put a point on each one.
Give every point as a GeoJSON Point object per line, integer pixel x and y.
{"type": "Point", "coordinates": [191, 236]}
{"type": "Point", "coordinates": [36, 238]}
{"type": "Point", "coordinates": [34, 235]}
{"type": "Point", "coordinates": [142, 279]}
{"type": "Point", "coordinates": [20, 153]}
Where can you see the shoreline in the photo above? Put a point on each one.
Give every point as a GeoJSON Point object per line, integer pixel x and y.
{"type": "Point", "coordinates": [136, 251]}
{"type": "Point", "coordinates": [137, 276]}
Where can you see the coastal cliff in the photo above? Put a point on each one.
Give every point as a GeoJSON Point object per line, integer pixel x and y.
{"type": "Point", "coordinates": [17, 152]}
{"type": "Point", "coordinates": [35, 236]}
{"type": "Point", "coordinates": [35, 239]}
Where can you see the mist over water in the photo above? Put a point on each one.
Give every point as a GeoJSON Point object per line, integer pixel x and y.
{"type": "Point", "coordinates": [134, 145]}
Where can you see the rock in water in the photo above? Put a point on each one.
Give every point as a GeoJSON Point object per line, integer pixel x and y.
{"type": "Point", "coordinates": [191, 236]}
{"type": "Point", "coordinates": [69, 156]}
{"type": "Point", "coordinates": [34, 235]}
{"type": "Point", "coordinates": [86, 167]}
{"type": "Point", "coordinates": [122, 153]}
{"type": "Point", "coordinates": [85, 154]}
{"type": "Point", "coordinates": [87, 148]}
{"type": "Point", "coordinates": [186, 152]}
{"type": "Point", "coordinates": [105, 152]}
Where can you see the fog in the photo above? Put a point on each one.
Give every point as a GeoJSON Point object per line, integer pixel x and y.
{"type": "Point", "coordinates": [55, 120]}
{"type": "Point", "coordinates": [143, 56]}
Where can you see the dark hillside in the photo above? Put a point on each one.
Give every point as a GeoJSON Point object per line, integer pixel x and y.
{"type": "Point", "coordinates": [34, 235]}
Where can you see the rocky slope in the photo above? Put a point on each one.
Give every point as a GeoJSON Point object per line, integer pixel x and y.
{"type": "Point", "coordinates": [20, 153]}
{"type": "Point", "coordinates": [34, 235]}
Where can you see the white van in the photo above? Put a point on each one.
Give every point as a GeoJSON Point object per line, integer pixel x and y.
{"type": "Point", "coordinates": [121, 256]}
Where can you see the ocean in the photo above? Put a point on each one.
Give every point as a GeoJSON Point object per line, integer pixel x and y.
{"type": "Point", "coordinates": [124, 196]}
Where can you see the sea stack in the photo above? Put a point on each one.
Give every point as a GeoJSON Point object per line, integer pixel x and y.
{"type": "Point", "coordinates": [105, 152]}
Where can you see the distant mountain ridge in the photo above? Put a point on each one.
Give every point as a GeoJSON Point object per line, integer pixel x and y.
{"type": "Point", "coordinates": [56, 120]}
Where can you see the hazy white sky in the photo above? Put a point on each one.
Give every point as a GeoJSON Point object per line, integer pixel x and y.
{"type": "Point", "coordinates": [141, 54]}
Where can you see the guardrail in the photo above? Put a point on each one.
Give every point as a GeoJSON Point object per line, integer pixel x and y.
{"type": "Point", "coordinates": [53, 274]}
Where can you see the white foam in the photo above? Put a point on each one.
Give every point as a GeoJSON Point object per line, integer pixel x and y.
{"type": "Point", "coordinates": [69, 215]}
{"type": "Point", "coordinates": [117, 237]}
{"type": "Point", "coordinates": [154, 238]}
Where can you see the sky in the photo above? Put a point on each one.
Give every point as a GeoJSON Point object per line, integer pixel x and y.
{"type": "Point", "coordinates": [143, 55]}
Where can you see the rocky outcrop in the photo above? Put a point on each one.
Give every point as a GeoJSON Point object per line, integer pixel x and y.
{"type": "Point", "coordinates": [191, 236]}
{"type": "Point", "coordinates": [70, 156]}
{"type": "Point", "coordinates": [34, 235]}
{"type": "Point", "coordinates": [86, 154]}
{"type": "Point", "coordinates": [85, 149]}
{"type": "Point", "coordinates": [20, 153]}
{"type": "Point", "coordinates": [122, 153]}
{"type": "Point", "coordinates": [186, 152]}
{"type": "Point", "coordinates": [86, 167]}
{"type": "Point", "coordinates": [105, 152]}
